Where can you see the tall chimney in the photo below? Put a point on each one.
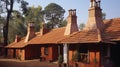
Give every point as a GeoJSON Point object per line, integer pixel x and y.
{"type": "Point", "coordinates": [95, 16]}
{"type": "Point", "coordinates": [30, 31]}
{"type": "Point", "coordinates": [17, 38]}
{"type": "Point", "coordinates": [43, 29]}
{"type": "Point", "coordinates": [71, 22]}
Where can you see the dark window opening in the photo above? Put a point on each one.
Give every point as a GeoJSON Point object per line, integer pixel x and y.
{"type": "Point", "coordinates": [46, 50]}
{"type": "Point", "coordinates": [84, 54]}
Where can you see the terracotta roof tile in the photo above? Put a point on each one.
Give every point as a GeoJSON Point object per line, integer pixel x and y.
{"type": "Point", "coordinates": [19, 44]}
{"type": "Point", "coordinates": [112, 31]}
{"type": "Point", "coordinates": [82, 37]}
{"type": "Point", "coordinates": [52, 37]}
{"type": "Point", "coordinates": [55, 36]}
{"type": "Point", "coordinates": [8, 46]}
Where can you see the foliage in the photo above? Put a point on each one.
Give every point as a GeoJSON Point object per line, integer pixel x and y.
{"type": "Point", "coordinates": [6, 6]}
{"type": "Point", "coordinates": [60, 59]}
{"type": "Point", "coordinates": [95, 60]}
{"type": "Point", "coordinates": [81, 26]}
{"type": "Point", "coordinates": [16, 26]}
{"type": "Point", "coordinates": [62, 24]}
{"type": "Point", "coordinates": [2, 20]}
{"type": "Point", "coordinates": [35, 15]}
{"type": "Point", "coordinates": [76, 56]}
{"type": "Point", "coordinates": [18, 57]}
{"type": "Point", "coordinates": [54, 14]}
{"type": "Point", "coordinates": [24, 6]}
{"type": "Point", "coordinates": [103, 16]}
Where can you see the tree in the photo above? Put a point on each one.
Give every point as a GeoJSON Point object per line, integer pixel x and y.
{"type": "Point", "coordinates": [1, 28]}
{"type": "Point", "coordinates": [7, 6]}
{"type": "Point", "coordinates": [63, 23]}
{"type": "Point", "coordinates": [81, 26]}
{"type": "Point", "coordinates": [16, 26]}
{"type": "Point", "coordinates": [103, 16]}
{"type": "Point", "coordinates": [34, 14]}
{"type": "Point", "coordinates": [54, 14]}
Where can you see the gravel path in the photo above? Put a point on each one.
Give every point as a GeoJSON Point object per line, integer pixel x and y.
{"type": "Point", "coordinates": [27, 63]}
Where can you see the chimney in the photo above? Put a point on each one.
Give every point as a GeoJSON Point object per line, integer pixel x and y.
{"type": "Point", "coordinates": [17, 38]}
{"type": "Point", "coordinates": [30, 31]}
{"type": "Point", "coordinates": [71, 22]}
{"type": "Point", "coordinates": [43, 29]}
{"type": "Point", "coordinates": [95, 16]}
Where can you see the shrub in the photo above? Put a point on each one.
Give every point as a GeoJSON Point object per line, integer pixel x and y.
{"type": "Point", "coordinates": [76, 56]}
{"type": "Point", "coordinates": [60, 59]}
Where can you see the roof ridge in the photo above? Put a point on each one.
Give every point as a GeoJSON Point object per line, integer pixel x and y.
{"type": "Point", "coordinates": [68, 36]}
{"type": "Point", "coordinates": [58, 28]}
{"type": "Point", "coordinates": [116, 18]}
{"type": "Point", "coordinates": [71, 35]}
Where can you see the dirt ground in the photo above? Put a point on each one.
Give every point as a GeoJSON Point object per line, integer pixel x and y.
{"type": "Point", "coordinates": [27, 63]}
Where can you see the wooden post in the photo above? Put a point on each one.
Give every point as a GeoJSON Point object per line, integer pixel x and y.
{"type": "Point", "coordinates": [108, 54]}
{"type": "Point", "coordinates": [65, 55]}
{"type": "Point", "coordinates": [88, 56]}
{"type": "Point", "coordinates": [59, 53]}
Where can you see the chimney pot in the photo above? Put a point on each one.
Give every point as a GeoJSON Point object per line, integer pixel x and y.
{"type": "Point", "coordinates": [71, 22]}
{"type": "Point", "coordinates": [70, 12]}
{"type": "Point", "coordinates": [95, 18]}
{"type": "Point", "coordinates": [43, 29]}
{"type": "Point", "coordinates": [74, 12]}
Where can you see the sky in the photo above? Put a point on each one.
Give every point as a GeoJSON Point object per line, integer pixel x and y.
{"type": "Point", "coordinates": [110, 7]}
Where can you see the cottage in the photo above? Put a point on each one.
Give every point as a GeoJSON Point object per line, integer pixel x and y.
{"type": "Point", "coordinates": [45, 42]}
{"type": "Point", "coordinates": [94, 46]}
{"type": "Point", "coordinates": [50, 48]}
{"type": "Point", "coordinates": [21, 49]}
{"type": "Point", "coordinates": [97, 43]}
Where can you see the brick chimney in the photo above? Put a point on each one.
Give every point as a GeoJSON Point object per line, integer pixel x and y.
{"type": "Point", "coordinates": [30, 31]}
{"type": "Point", "coordinates": [43, 29]}
{"type": "Point", "coordinates": [17, 38]}
{"type": "Point", "coordinates": [95, 16]}
{"type": "Point", "coordinates": [71, 22]}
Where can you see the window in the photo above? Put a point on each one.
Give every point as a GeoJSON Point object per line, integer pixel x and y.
{"type": "Point", "coordinates": [46, 50]}
{"type": "Point", "coordinates": [84, 57]}
{"type": "Point", "coordinates": [84, 54]}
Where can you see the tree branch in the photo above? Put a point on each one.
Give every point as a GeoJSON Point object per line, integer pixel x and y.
{"type": "Point", "coordinates": [6, 6]}
{"type": "Point", "coordinates": [11, 5]}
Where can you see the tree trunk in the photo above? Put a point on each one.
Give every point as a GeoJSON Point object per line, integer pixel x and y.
{"type": "Point", "coordinates": [6, 26]}
{"type": "Point", "coordinates": [5, 32]}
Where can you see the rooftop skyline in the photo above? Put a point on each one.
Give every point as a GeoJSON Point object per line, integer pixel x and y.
{"type": "Point", "coordinates": [111, 8]}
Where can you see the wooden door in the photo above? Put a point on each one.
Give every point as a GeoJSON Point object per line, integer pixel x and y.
{"type": "Point", "coordinates": [94, 59]}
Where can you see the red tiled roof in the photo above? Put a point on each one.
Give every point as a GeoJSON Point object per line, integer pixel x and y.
{"type": "Point", "coordinates": [11, 44]}
{"type": "Point", "coordinates": [112, 31]}
{"type": "Point", "coordinates": [52, 37]}
{"type": "Point", "coordinates": [19, 44]}
{"type": "Point", "coordinates": [82, 37]}
{"type": "Point", "coordinates": [55, 36]}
